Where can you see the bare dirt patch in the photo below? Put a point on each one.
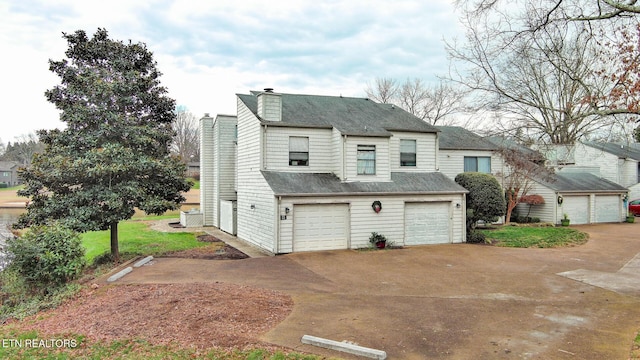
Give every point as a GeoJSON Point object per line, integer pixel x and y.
{"type": "Point", "coordinates": [217, 250]}
{"type": "Point", "coordinates": [190, 315]}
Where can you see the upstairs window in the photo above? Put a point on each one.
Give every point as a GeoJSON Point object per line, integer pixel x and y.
{"type": "Point", "coordinates": [407, 153]}
{"type": "Point", "coordinates": [298, 151]}
{"type": "Point", "coordinates": [366, 159]}
{"type": "Point", "coordinates": [477, 164]}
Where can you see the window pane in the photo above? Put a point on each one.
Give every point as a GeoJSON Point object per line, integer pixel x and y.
{"type": "Point", "coordinates": [298, 144]}
{"type": "Point", "coordinates": [298, 151]}
{"type": "Point", "coordinates": [484, 165]}
{"type": "Point", "coordinates": [366, 159]}
{"type": "Point", "coordinates": [407, 146]}
{"type": "Point", "coordinates": [470, 164]}
{"type": "Point", "coordinates": [407, 159]}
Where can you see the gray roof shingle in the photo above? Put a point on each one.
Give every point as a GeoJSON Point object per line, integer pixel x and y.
{"type": "Point", "coordinates": [350, 116]}
{"type": "Point", "coordinates": [582, 182]}
{"type": "Point", "coordinates": [317, 184]}
{"type": "Point", "coordinates": [621, 151]}
{"type": "Point", "coordinates": [458, 138]}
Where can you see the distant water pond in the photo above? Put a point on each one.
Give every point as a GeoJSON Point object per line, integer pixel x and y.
{"type": "Point", "coordinates": [7, 217]}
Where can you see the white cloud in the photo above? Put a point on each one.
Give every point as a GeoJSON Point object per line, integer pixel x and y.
{"type": "Point", "coordinates": [210, 50]}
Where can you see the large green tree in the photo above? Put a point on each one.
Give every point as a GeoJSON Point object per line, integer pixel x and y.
{"type": "Point", "coordinates": [113, 156]}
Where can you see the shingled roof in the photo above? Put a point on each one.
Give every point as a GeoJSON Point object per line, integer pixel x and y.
{"type": "Point", "coordinates": [350, 116]}
{"type": "Point", "coordinates": [582, 182]}
{"type": "Point", "coordinates": [325, 184]}
{"type": "Point", "coordinates": [458, 138]}
{"type": "Point", "coordinates": [619, 150]}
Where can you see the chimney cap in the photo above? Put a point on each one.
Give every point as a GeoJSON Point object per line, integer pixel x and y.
{"type": "Point", "coordinates": [268, 90]}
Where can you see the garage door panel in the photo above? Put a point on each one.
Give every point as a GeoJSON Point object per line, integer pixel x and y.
{"type": "Point", "coordinates": [320, 227]}
{"type": "Point", "coordinates": [427, 223]}
{"type": "Point", "coordinates": [577, 208]}
{"type": "Point", "coordinates": [608, 208]}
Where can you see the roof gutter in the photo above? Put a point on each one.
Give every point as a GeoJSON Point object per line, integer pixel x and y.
{"type": "Point", "coordinates": [378, 193]}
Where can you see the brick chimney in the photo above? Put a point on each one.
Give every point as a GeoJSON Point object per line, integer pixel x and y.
{"type": "Point", "coordinates": [270, 105]}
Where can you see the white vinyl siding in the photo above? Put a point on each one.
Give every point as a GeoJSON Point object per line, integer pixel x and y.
{"type": "Point", "coordinates": [382, 158]}
{"type": "Point", "coordinates": [629, 172]}
{"type": "Point", "coordinates": [607, 162]}
{"type": "Point", "coordinates": [425, 152]}
{"type": "Point", "coordinates": [363, 220]}
{"type": "Point", "coordinates": [452, 161]}
{"type": "Point", "coordinates": [337, 143]}
{"type": "Point", "coordinates": [256, 201]}
{"type": "Point", "coordinates": [277, 147]}
{"type": "Point", "coordinates": [207, 170]}
{"type": "Point", "coordinates": [270, 106]}
{"type": "Point", "coordinates": [545, 212]}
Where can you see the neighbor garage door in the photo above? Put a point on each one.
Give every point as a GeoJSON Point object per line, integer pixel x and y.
{"type": "Point", "coordinates": [320, 227]}
{"type": "Point", "coordinates": [427, 223]}
{"type": "Point", "coordinates": [577, 208]}
{"type": "Point", "coordinates": [608, 208]}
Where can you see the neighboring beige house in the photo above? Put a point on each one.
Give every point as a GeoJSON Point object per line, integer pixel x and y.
{"type": "Point", "coordinates": [323, 172]}
{"type": "Point", "coordinates": [462, 151]}
{"type": "Point", "coordinates": [9, 173]}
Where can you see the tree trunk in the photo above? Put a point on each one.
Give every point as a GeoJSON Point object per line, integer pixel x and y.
{"type": "Point", "coordinates": [115, 253]}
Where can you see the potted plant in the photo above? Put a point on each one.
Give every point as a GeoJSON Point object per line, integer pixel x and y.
{"type": "Point", "coordinates": [630, 218]}
{"type": "Point", "coordinates": [565, 220]}
{"type": "Point", "coordinates": [379, 240]}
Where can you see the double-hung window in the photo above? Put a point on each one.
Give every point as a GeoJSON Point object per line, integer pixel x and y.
{"type": "Point", "coordinates": [407, 152]}
{"type": "Point", "coordinates": [366, 159]}
{"type": "Point", "coordinates": [477, 164]}
{"type": "Point", "coordinates": [298, 151]}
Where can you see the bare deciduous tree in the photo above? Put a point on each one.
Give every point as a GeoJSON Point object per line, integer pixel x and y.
{"type": "Point", "coordinates": [519, 176]}
{"type": "Point", "coordinates": [186, 143]}
{"type": "Point", "coordinates": [432, 103]}
{"type": "Point", "coordinates": [383, 91]}
{"type": "Point", "coordinates": [547, 82]}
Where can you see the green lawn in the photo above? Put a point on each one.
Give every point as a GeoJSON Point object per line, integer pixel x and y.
{"type": "Point", "coordinates": [540, 237]}
{"type": "Point", "coordinates": [16, 345]}
{"type": "Point", "coordinates": [136, 238]}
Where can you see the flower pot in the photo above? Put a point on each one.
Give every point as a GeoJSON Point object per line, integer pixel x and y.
{"type": "Point", "coordinates": [565, 222]}
{"type": "Point", "coordinates": [631, 218]}
{"type": "Point", "coordinates": [381, 244]}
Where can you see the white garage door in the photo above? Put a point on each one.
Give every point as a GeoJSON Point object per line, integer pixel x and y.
{"type": "Point", "coordinates": [426, 223]}
{"type": "Point", "coordinates": [577, 207]}
{"type": "Point", "coordinates": [320, 227]}
{"type": "Point", "coordinates": [608, 208]}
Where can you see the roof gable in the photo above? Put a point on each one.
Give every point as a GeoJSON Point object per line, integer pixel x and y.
{"type": "Point", "coordinates": [350, 116]}
{"type": "Point", "coordinates": [458, 138]}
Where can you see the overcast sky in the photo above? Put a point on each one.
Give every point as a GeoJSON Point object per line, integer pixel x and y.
{"type": "Point", "coordinates": [210, 50]}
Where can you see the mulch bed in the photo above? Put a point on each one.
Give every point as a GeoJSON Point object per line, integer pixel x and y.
{"type": "Point", "coordinates": [218, 250]}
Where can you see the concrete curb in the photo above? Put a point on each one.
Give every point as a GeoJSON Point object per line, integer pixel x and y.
{"type": "Point", "coordinates": [344, 347]}
{"type": "Point", "coordinates": [143, 261]}
{"type": "Point", "coordinates": [120, 274]}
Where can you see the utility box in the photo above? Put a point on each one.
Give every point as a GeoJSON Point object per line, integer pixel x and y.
{"type": "Point", "coordinates": [228, 216]}
{"type": "Point", "coordinates": [191, 218]}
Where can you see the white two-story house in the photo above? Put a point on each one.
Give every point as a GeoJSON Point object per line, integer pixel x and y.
{"type": "Point", "coordinates": [324, 172]}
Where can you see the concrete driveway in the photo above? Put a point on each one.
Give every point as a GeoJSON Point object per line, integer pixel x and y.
{"type": "Point", "coordinates": [459, 301]}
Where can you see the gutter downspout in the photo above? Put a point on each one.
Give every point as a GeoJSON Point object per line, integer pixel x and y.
{"type": "Point", "coordinates": [344, 155]}
{"type": "Point", "coordinates": [263, 148]}
{"type": "Point", "coordinates": [276, 242]}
